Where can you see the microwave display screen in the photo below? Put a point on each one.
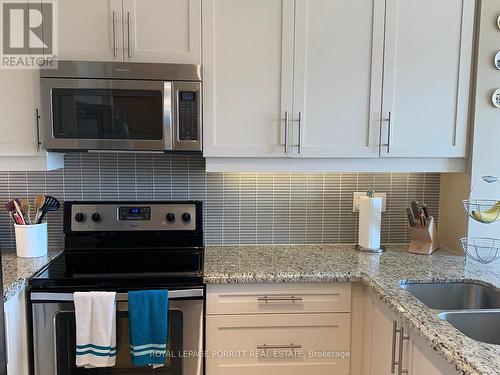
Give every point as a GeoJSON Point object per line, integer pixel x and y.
{"type": "Point", "coordinates": [107, 114]}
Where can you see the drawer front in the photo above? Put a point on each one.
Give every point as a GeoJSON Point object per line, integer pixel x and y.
{"type": "Point", "coordinates": [291, 344]}
{"type": "Point", "coordinates": [278, 298]}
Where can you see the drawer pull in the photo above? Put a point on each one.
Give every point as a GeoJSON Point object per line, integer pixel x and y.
{"type": "Point", "coordinates": [267, 299]}
{"type": "Point", "coordinates": [277, 347]}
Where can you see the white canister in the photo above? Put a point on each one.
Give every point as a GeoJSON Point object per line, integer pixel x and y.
{"type": "Point", "coordinates": [31, 240]}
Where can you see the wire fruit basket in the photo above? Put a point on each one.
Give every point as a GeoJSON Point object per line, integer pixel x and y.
{"type": "Point", "coordinates": [486, 211]}
{"type": "Point", "coordinates": [481, 249]}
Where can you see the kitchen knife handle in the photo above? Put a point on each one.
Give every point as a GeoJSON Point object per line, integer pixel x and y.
{"type": "Point", "coordinates": [426, 210]}
{"type": "Point", "coordinates": [411, 218]}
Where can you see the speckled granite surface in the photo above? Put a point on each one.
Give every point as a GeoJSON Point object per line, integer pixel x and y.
{"type": "Point", "coordinates": [381, 273]}
{"type": "Point", "coordinates": [17, 271]}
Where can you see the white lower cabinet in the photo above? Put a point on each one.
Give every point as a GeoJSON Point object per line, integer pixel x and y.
{"type": "Point", "coordinates": [16, 337]}
{"type": "Point", "coordinates": [391, 348]}
{"type": "Point", "coordinates": [275, 329]}
{"type": "Point", "coordinates": [293, 344]}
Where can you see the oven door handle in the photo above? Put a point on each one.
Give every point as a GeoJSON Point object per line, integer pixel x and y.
{"type": "Point", "coordinates": [120, 297]}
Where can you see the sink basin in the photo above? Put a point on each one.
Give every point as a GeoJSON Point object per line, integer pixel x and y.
{"type": "Point", "coordinates": [478, 325]}
{"type": "Point", "coordinates": [455, 296]}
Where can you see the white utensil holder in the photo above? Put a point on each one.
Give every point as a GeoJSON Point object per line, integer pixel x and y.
{"type": "Point", "coordinates": [31, 240]}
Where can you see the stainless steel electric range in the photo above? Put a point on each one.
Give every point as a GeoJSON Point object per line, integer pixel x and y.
{"type": "Point", "coordinates": [122, 246]}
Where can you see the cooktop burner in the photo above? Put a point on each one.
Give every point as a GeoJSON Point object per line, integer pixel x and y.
{"type": "Point", "coordinates": [132, 245]}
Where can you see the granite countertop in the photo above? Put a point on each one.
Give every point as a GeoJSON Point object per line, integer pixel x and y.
{"type": "Point", "coordinates": [323, 263]}
{"type": "Point", "coordinates": [17, 271]}
{"type": "Point", "coordinates": [381, 273]}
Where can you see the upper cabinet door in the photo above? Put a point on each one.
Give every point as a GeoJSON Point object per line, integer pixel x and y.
{"type": "Point", "coordinates": [426, 78]}
{"type": "Point", "coordinates": [90, 30]}
{"type": "Point", "coordinates": [338, 78]}
{"type": "Point", "coordinates": [248, 72]}
{"type": "Point", "coordinates": [162, 31]}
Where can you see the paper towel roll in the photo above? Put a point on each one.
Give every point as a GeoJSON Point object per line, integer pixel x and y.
{"type": "Point", "coordinates": [370, 222]}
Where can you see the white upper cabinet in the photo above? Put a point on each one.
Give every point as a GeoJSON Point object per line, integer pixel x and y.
{"type": "Point", "coordinates": [19, 132]}
{"type": "Point", "coordinates": [337, 77]}
{"type": "Point", "coordinates": [87, 31]}
{"type": "Point", "coordinates": [161, 31]}
{"type": "Point", "coordinates": [166, 31]}
{"type": "Point", "coordinates": [247, 71]}
{"type": "Point", "coordinates": [426, 77]}
{"type": "Point", "coordinates": [342, 68]}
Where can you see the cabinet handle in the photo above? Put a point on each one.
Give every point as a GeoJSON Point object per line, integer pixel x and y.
{"type": "Point", "coordinates": [389, 124]}
{"type": "Point", "coordinates": [291, 346]}
{"type": "Point", "coordinates": [299, 143]}
{"type": "Point", "coordinates": [402, 338]}
{"type": "Point", "coordinates": [114, 34]}
{"type": "Point", "coordinates": [37, 117]}
{"type": "Point", "coordinates": [286, 132]}
{"type": "Point", "coordinates": [393, 356]}
{"type": "Point", "coordinates": [299, 146]}
{"type": "Point", "coordinates": [267, 299]}
{"type": "Point", "coordinates": [129, 51]}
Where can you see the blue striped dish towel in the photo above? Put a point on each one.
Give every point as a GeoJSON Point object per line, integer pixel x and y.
{"type": "Point", "coordinates": [95, 314]}
{"type": "Point", "coordinates": [148, 325]}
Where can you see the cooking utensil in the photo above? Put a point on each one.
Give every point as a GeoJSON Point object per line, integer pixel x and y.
{"type": "Point", "coordinates": [25, 207]}
{"type": "Point", "coordinates": [10, 206]}
{"type": "Point", "coordinates": [411, 218]}
{"type": "Point", "coordinates": [18, 219]}
{"type": "Point", "coordinates": [38, 203]}
{"type": "Point", "coordinates": [50, 204]}
{"type": "Point", "coordinates": [19, 211]}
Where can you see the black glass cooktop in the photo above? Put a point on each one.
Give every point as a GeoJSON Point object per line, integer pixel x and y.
{"type": "Point", "coordinates": [119, 270]}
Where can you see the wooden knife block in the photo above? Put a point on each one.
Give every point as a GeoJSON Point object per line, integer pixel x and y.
{"type": "Point", "coordinates": [424, 240]}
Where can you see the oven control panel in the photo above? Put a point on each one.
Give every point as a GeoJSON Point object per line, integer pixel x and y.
{"type": "Point", "coordinates": [125, 217]}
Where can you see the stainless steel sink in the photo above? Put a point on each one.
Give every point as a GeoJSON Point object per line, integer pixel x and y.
{"type": "Point", "coordinates": [455, 296]}
{"type": "Point", "coordinates": [478, 325]}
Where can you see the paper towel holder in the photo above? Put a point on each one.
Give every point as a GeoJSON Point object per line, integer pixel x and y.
{"type": "Point", "coordinates": [371, 194]}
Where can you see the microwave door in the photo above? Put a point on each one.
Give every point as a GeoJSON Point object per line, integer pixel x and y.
{"type": "Point", "coordinates": [85, 114]}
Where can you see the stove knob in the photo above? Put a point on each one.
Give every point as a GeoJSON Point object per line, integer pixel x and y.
{"type": "Point", "coordinates": [79, 217]}
{"type": "Point", "coordinates": [96, 217]}
{"type": "Point", "coordinates": [170, 217]}
{"type": "Point", "coordinates": [186, 217]}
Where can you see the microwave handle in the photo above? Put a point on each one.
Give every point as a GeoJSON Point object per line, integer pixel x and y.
{"type": "Point", "coordinates": [120, 297]}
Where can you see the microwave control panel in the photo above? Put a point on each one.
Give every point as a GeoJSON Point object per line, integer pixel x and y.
{"type": "Point", "coordinates": [188, 116]}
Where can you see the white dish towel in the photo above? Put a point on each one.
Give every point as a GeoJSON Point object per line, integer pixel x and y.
{"type": "Point", "coordinates": [95, 329]}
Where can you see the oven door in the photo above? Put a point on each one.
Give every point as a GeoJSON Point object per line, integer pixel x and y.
{"type": "Point", "coordinates": [54, 336]}
{"type": "Point", "coordinates": [103, 114]}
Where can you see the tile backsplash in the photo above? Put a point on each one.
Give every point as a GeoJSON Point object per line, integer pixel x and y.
{"type": "Point", "coordinates": [240, 208]}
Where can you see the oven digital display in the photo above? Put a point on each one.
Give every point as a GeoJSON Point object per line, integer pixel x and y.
{"type": "Point", "coordinates": [134, 213]}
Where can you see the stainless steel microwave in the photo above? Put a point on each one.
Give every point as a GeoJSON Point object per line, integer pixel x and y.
{"type": "Point", "coordinates": [108, 106]}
